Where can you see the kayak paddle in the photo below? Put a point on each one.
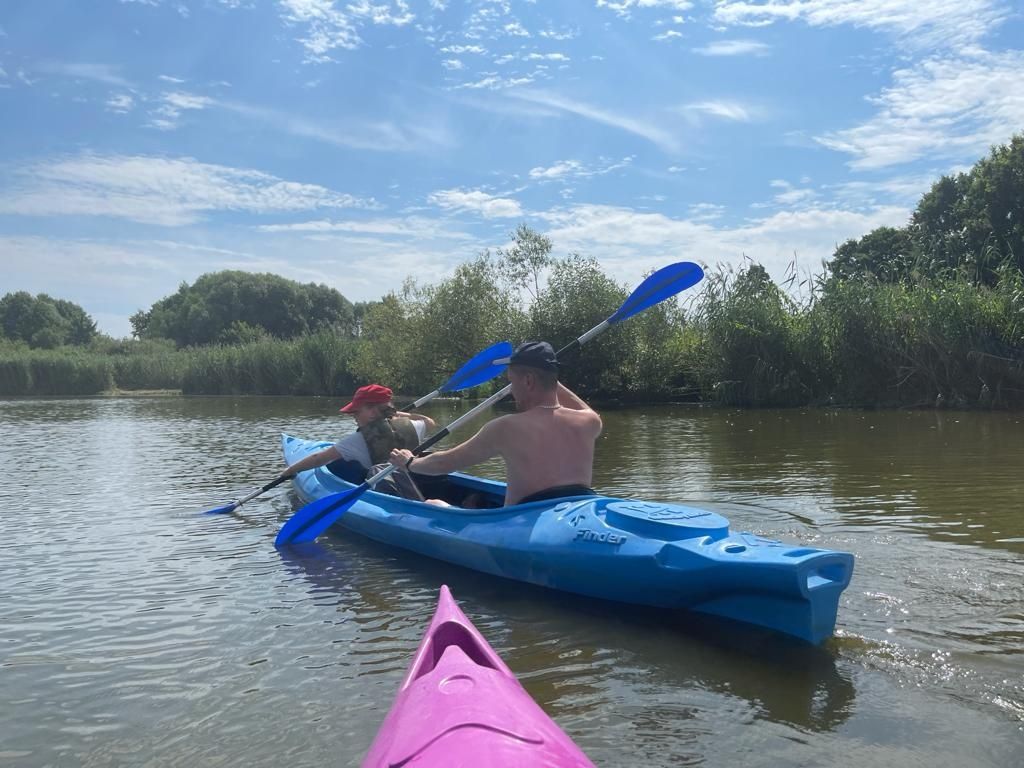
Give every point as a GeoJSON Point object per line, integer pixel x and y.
{"type": "Point", "coordinates": [317, 516]}
{"type": "Point", "coordinates": [484, 366]}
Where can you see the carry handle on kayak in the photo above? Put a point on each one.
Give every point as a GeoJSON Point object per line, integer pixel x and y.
{"type": "Point", "coordinates": [317, 516]}
{"type": "Point", "coordinates": [483, 366]}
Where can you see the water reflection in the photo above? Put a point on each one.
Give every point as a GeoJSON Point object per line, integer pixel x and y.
{"type": "Point", "coordinates": [781, 680]}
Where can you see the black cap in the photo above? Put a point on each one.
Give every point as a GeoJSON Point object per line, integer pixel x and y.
{"type": "Point", "coordinates": [535, 354]}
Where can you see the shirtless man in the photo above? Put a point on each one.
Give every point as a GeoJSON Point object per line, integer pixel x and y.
{"type": "Point", "coordinates": [548, 447]}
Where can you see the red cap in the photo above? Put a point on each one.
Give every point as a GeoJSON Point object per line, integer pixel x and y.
{"type": "Point", "coordinates": [371, 394]}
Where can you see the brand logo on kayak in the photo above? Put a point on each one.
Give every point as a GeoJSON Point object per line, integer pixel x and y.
{"type": "Point", "coordinates": [607, 538]}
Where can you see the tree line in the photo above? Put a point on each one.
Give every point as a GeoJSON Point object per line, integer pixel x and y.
{"type": "Point", "coordinates": [930, 314]}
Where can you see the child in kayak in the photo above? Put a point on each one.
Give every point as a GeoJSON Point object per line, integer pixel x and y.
{"type": "Point", "coordinates": [379, 428]}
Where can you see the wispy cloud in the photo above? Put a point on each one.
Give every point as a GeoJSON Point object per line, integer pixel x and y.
{"type": "Point", "coordinates": [726, 110]}
{"type": "Point", "coordinates": [458, 50]}
{"type": "Point", "coordinates": [627, 241]}
{"type": "Point", "coordinates": [667, 35]}
{"type": "Point", "coordinates": [166, 116]}
{"type": "Point", "coordinates": [492, 81]}
{"type": "Point", "coordinates": [421, 133]}
{"type": "Point", "coordinates": [652, 133]}
{"type": "Point", "coordinates": [410, 227]}
{"type": "Point", "coordinates": [331, 26]}
{"type": "Point", "coordinates": [565, 170]}
{"type": "Point", "coordinates": [153, 190]}
{"type": "Point", "coordinates": [552, 34]}
{"type": "Point", "coordinates": [625, 8]}
{"type": "Point", "coordinates": [476, 201]}
{"type": "Point", "coordinates": [733, 48]}
{"type": "Point", "coordinates": [933, 23]}
{"type": "Point", "coordinates": [515, 29]}
{"type": "Point", "coordinates": [789, 195]}
{"type": "Point", "coordinates": [120, 102]}
{"type": "Point", "coordinates": [418, 134]}
{"type": "Point", "coordinates": [100, 73]}
{"type": "Point", "coordinates": [941, 107]}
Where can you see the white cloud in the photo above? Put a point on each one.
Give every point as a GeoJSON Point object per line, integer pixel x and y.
{"type": "Point", "coordinates": [173, 104]}
{"type": "Point", "coordinates": [452, 64]}
{"type": "Point", "coordinates": [120, 102]}
{"type": "Point", "coordinates": [153, 190]}
{"type": "Point", "coordinates": [667, 35]}
{"type": "Point", "coordinates": [169, 79]}
{"type": "Point", "coordinates": [476, 201]}
{"type": "Point", "coordinates": [101, 73]}
{"type": "Point", "coordinates": [727, 110]}
{"type": "Point", "coordinates": [515, 29]}
{"type": "Point", "coordinates": [410, 227]}
{"type": "Point", "coordinates": [331, 25]}
{"type": "Point", "coordinates": [382, 14]}
{"type": "Point", "coordinates": [494, 82]}
{"type": "Point", "coordinates": [559, 170]}
{"type": "Point", "coordinates": [733, 48]}
{"type": "Point", "coordinates": [706, 211]}
{"type": "Point", "coordinates": [458, 50]}
{"type": "Point", "coordinates": [931, 23]}
{"type": "Point", "coordinates": [941, 107]}
{"type": "Point", "coordinates": [551, 34]}
{"type": "Point", "coordinates": [624, 8]}
{"type": "Point", "coordinates": [789, 195]}
{"type": "Point", "coordinates": [573, 169]}
{"type": "Point", "coordinates": [628, 242]}
{"type": "Point", "coordinates": [637, 127]}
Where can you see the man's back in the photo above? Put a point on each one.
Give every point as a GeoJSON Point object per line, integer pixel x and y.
{"type": "Point", "coordinates": [546, 447]}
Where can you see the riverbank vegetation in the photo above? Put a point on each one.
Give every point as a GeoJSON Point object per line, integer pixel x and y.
{"type": "Point", "coordinates": [928, 315]}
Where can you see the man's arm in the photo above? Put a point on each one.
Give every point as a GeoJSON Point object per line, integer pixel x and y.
{"type": "Point", "coordinates": [428, 422]}
{"type": "Point", "coordinates": [569, 399]}
{"type": "Point", "coordinates": [480, 447]}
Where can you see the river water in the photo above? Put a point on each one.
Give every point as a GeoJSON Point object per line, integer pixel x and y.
{"type": "Point", "coordinates": [136, 632]}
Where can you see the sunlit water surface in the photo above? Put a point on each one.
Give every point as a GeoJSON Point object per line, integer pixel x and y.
{"type": "Point", "coordinates": [134, 631]}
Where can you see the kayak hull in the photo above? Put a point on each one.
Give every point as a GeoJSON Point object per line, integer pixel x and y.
{"type": "Point", "coordinates": [460, 705]}
{"type": "Point", "coordinates": [630, 551]}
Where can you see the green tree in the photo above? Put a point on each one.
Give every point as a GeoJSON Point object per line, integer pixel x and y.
{"type": "Point", "coordinates": [522, 264]}
{"type": "Point", "coordinates": [886, 253]}
{"type": "Point", "coordinates": [231, 306]}
{"type": "Point", "coordinates": [974, 221]}
{"type": "Point", "coordinates": [578, 296]}
{"type": "Point", "coordinates": [749, 352]}
{"type": "Point", "coordinates": [43, 322]}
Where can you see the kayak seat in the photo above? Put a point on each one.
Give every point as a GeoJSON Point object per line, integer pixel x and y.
{"type": "Point", "coordinates": [446, 635]}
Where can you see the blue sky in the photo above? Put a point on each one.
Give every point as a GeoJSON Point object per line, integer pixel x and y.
{"type": "Point", "coordinates": [145, 142]}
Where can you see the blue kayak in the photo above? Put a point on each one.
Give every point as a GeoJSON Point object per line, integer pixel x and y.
{"type": "Point", "coordinates": [639, 552]}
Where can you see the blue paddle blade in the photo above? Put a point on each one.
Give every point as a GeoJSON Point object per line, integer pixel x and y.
{"type": "Point", "coordinates": [667, 281]}
{"type": "Point", "coordinates": [317, 516]}
{"type": "Point", "coordinates": [222, 510]}
{"type": "Point", "coordinates": [480, 369]}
